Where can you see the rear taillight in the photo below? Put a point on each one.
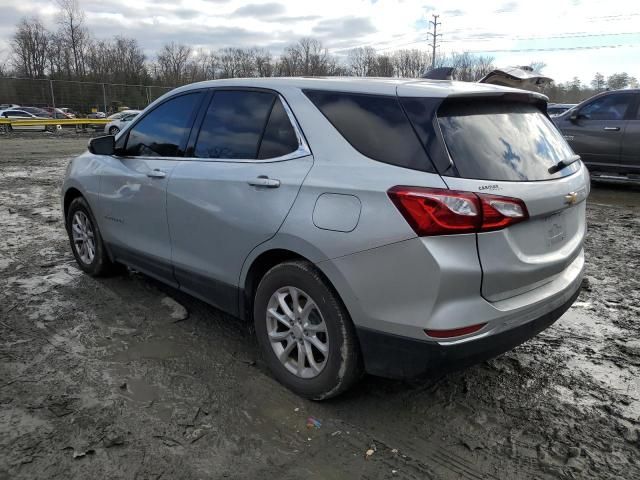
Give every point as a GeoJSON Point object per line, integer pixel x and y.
{"type": "Point", "coordinates": [434, 211]}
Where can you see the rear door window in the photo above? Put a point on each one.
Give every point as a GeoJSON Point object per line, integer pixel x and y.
{"type": "Point", "coordinates": [234, 124]}
{"type": "Point", "coordinates": [279, 137]}
{"type": "Point", "coordinates": [503, 141]}
{"type": "Point", "coordinates": [375, 125]}
{"type": "Point", "coordinates": [163, 131]}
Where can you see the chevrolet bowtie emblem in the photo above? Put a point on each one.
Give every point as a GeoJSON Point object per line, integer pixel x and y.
{"type": "Point", "coordinates": [571, 198]}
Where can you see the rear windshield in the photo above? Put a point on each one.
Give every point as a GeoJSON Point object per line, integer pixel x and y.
{"type": "Point", "coordinates": [503, 141]}
{"type": "Point", "coordinates": [375, 125]}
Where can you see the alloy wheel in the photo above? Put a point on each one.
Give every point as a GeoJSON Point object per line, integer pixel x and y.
{"type": "Point", "coordinates": [297, 332]}
{"type": "Point", "coordinates": [83, 237]}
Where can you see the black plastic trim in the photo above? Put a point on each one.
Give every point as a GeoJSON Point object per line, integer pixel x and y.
{"type": "Point", "coordinates": [392, 356]}
{"type": "Point", "coordinates": [219, 294]}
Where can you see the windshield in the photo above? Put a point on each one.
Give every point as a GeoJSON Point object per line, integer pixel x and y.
{"type": "Point", "coordinates": [503, 141]}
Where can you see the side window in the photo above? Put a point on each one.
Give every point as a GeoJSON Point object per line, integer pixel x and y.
{"type": "Point", "coordinates": [279, 137]}
{"type": "Point", "coordinates": [234, 124]}
{"type": "Point", "coordinates": [164, 130]}
{"type": "Point", "coordinates": [609, 107]}
{"type": "Point", "coordinates": [375, 125]}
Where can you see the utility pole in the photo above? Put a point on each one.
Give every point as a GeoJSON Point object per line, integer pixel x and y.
{"type": "Point", "coordinates": [434, 38]}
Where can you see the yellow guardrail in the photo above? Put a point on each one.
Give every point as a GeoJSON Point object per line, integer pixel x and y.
{"type": "Point", "coordinates": [23, 122]}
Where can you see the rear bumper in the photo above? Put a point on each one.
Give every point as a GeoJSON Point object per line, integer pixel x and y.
{"type": "Point", "coordinates": [393, 356]}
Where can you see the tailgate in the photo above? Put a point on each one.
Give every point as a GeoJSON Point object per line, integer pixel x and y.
{"type": "Point", "coordinates": [531, 253]}
{"type": "Point", "coordinates": [510, 149]}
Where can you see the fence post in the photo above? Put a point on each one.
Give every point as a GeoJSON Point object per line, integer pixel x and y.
{"type": "Point", "coordinates": [104, 99]}
{"type": "Point", "coordinates": [53, 98]}
{"type": "Point", "coordinates": [148, 96]}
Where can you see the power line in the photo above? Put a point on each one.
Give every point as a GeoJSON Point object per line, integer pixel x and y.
{"type": "Point", "coordinates": [571, 35]}
{"type": "Point", "coordinates": [555, 49]}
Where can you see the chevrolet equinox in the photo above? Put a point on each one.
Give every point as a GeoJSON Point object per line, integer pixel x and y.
{"type": "Point", "coordinates": [390, 226]}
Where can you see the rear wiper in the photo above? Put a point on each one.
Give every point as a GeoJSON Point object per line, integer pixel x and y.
{"type": "Point", "coordinates": [563, 163]}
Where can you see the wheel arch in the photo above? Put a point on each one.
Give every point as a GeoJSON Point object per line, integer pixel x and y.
{"type": "Point", "coordinates": [260, 262]}
{"type": "Point", "coordinates": [70, 195]}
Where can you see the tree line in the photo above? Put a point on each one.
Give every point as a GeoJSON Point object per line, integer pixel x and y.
{"type": "Point", "coordinates": [70, 52]}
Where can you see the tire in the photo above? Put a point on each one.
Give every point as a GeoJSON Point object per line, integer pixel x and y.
{"type": "Point", "coordinates": [340, 367]}
{"type": "Point", "coordinates": [114, 131]}
{"type": "Point", "coordinates": [97, 264]}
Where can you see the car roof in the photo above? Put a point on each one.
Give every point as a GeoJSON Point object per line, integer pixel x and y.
{"type": "Point", "coordinates": [370, 85]}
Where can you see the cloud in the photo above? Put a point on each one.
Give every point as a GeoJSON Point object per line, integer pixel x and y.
{"type": "Point", "coordinates": [287, 19]}
{"type": "Point", "coordinates": [259, 10]}
{"type": "Point", "coordinates": [507, 7]}
{"type": "Point", "coordinates": [343, 28]}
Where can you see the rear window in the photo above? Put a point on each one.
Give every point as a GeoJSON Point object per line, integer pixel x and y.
{"type": "Point", "coordinates": [375, 125]}
{"type": "Point", "coordinates": [503, 141]}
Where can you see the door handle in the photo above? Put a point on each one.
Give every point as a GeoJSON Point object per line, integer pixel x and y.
{"type": "Point", "coordinates": [156, 174]}
{"type": "Point", "coordinates": [264, 181]}
{"type": "Point", "coordinates": [612, 129]}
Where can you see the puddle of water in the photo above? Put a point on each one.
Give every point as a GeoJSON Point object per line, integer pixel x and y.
{"type": "Point", "coordinates": [597, 334]}
{"type": "Point", "coordinates": [583, 322]}
{"type": "Point", "coordinates": [154, 397]}
{"type": "Point", "coordinates": [140, 391]}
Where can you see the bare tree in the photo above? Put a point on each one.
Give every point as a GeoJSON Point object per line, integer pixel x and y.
{"type": "Point", "coordinates": [59, 57]}
{"type": "Point", "coordinates": [4, 64]}
{"type": "Point", "coordinates": [72, 29]}
{"type": "Point", "coordinates": [173, 62]}
{"type": "Point", "coordinates": [264, 63]}
{"type": "Point", "coordinates": [117, 61]}
{"type": "Point", "coordinates": [411, 63]}
{"type": "Point", "coordinates": [537, 66]}
{"type": "Point", "coordinates": [384, 66]}
{"type": "Point", "coordinates": [363, 62]}
{"type": "Point", "coordinates": [307, 57]}
{"type": "Point", "coordinates": [30, 44]}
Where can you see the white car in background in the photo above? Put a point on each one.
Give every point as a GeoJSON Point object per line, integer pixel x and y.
{"type": "Point", "coordinates": [15, 114]}
{"type": "Point", "coordinates": [119, 121]}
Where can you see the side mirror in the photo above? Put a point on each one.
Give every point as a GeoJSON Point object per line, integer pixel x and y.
{"type": "Point", "coordinates": [576, 116]}
{"type": "Point", "coordinates": [105, 145]}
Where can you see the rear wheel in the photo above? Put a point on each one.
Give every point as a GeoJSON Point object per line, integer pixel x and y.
{"type": "Point", "coordinates": [114, 131]}
{"type": "Point", "coordinates": [304, 332]}
{"type": "Point", "coordinates": [86, 241]}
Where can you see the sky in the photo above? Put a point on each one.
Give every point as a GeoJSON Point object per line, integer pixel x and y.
{"type": "Point", "coordinates": [572, 37]}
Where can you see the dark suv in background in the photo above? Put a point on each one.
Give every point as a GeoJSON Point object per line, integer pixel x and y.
{"type": "Point", "coordinates": [605, 131]}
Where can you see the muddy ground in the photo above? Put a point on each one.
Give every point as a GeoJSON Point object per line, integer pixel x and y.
{"type": "Point", "coordinates": [126, 378]}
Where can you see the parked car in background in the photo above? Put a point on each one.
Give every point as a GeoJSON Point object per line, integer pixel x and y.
{"type": "Point", "coordinates": [119, 121]}
{"type": "Point", "coordinates": [554, 109]}
{"type": "Point", "coordinates": [97, 115]}
{"type": "Point", "coordinates": [69, 112]}
{"type": "Point", "coordinates": [6, 106]}
{"type": "Point", "coordinates": [356, 221]}
{"type": "Point", "coordinates": [22, 114]}
{"type": "Point", "coordinates": [605, 131]}
{"type": "Point", "coordinates": [38, 112]}
{"type": "Point", "coordinates": [57, 113]}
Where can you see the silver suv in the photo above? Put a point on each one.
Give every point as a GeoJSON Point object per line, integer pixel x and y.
{"type": "Point", "coordinates": [397, 227]}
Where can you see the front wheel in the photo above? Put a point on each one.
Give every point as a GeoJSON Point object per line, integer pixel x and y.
{"type": "Point", "coordinates": [305, 333]}
{"type": "Point", "coordinates": [114, 131]}
{"type": "Point", "coordinates": [86, 241]}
